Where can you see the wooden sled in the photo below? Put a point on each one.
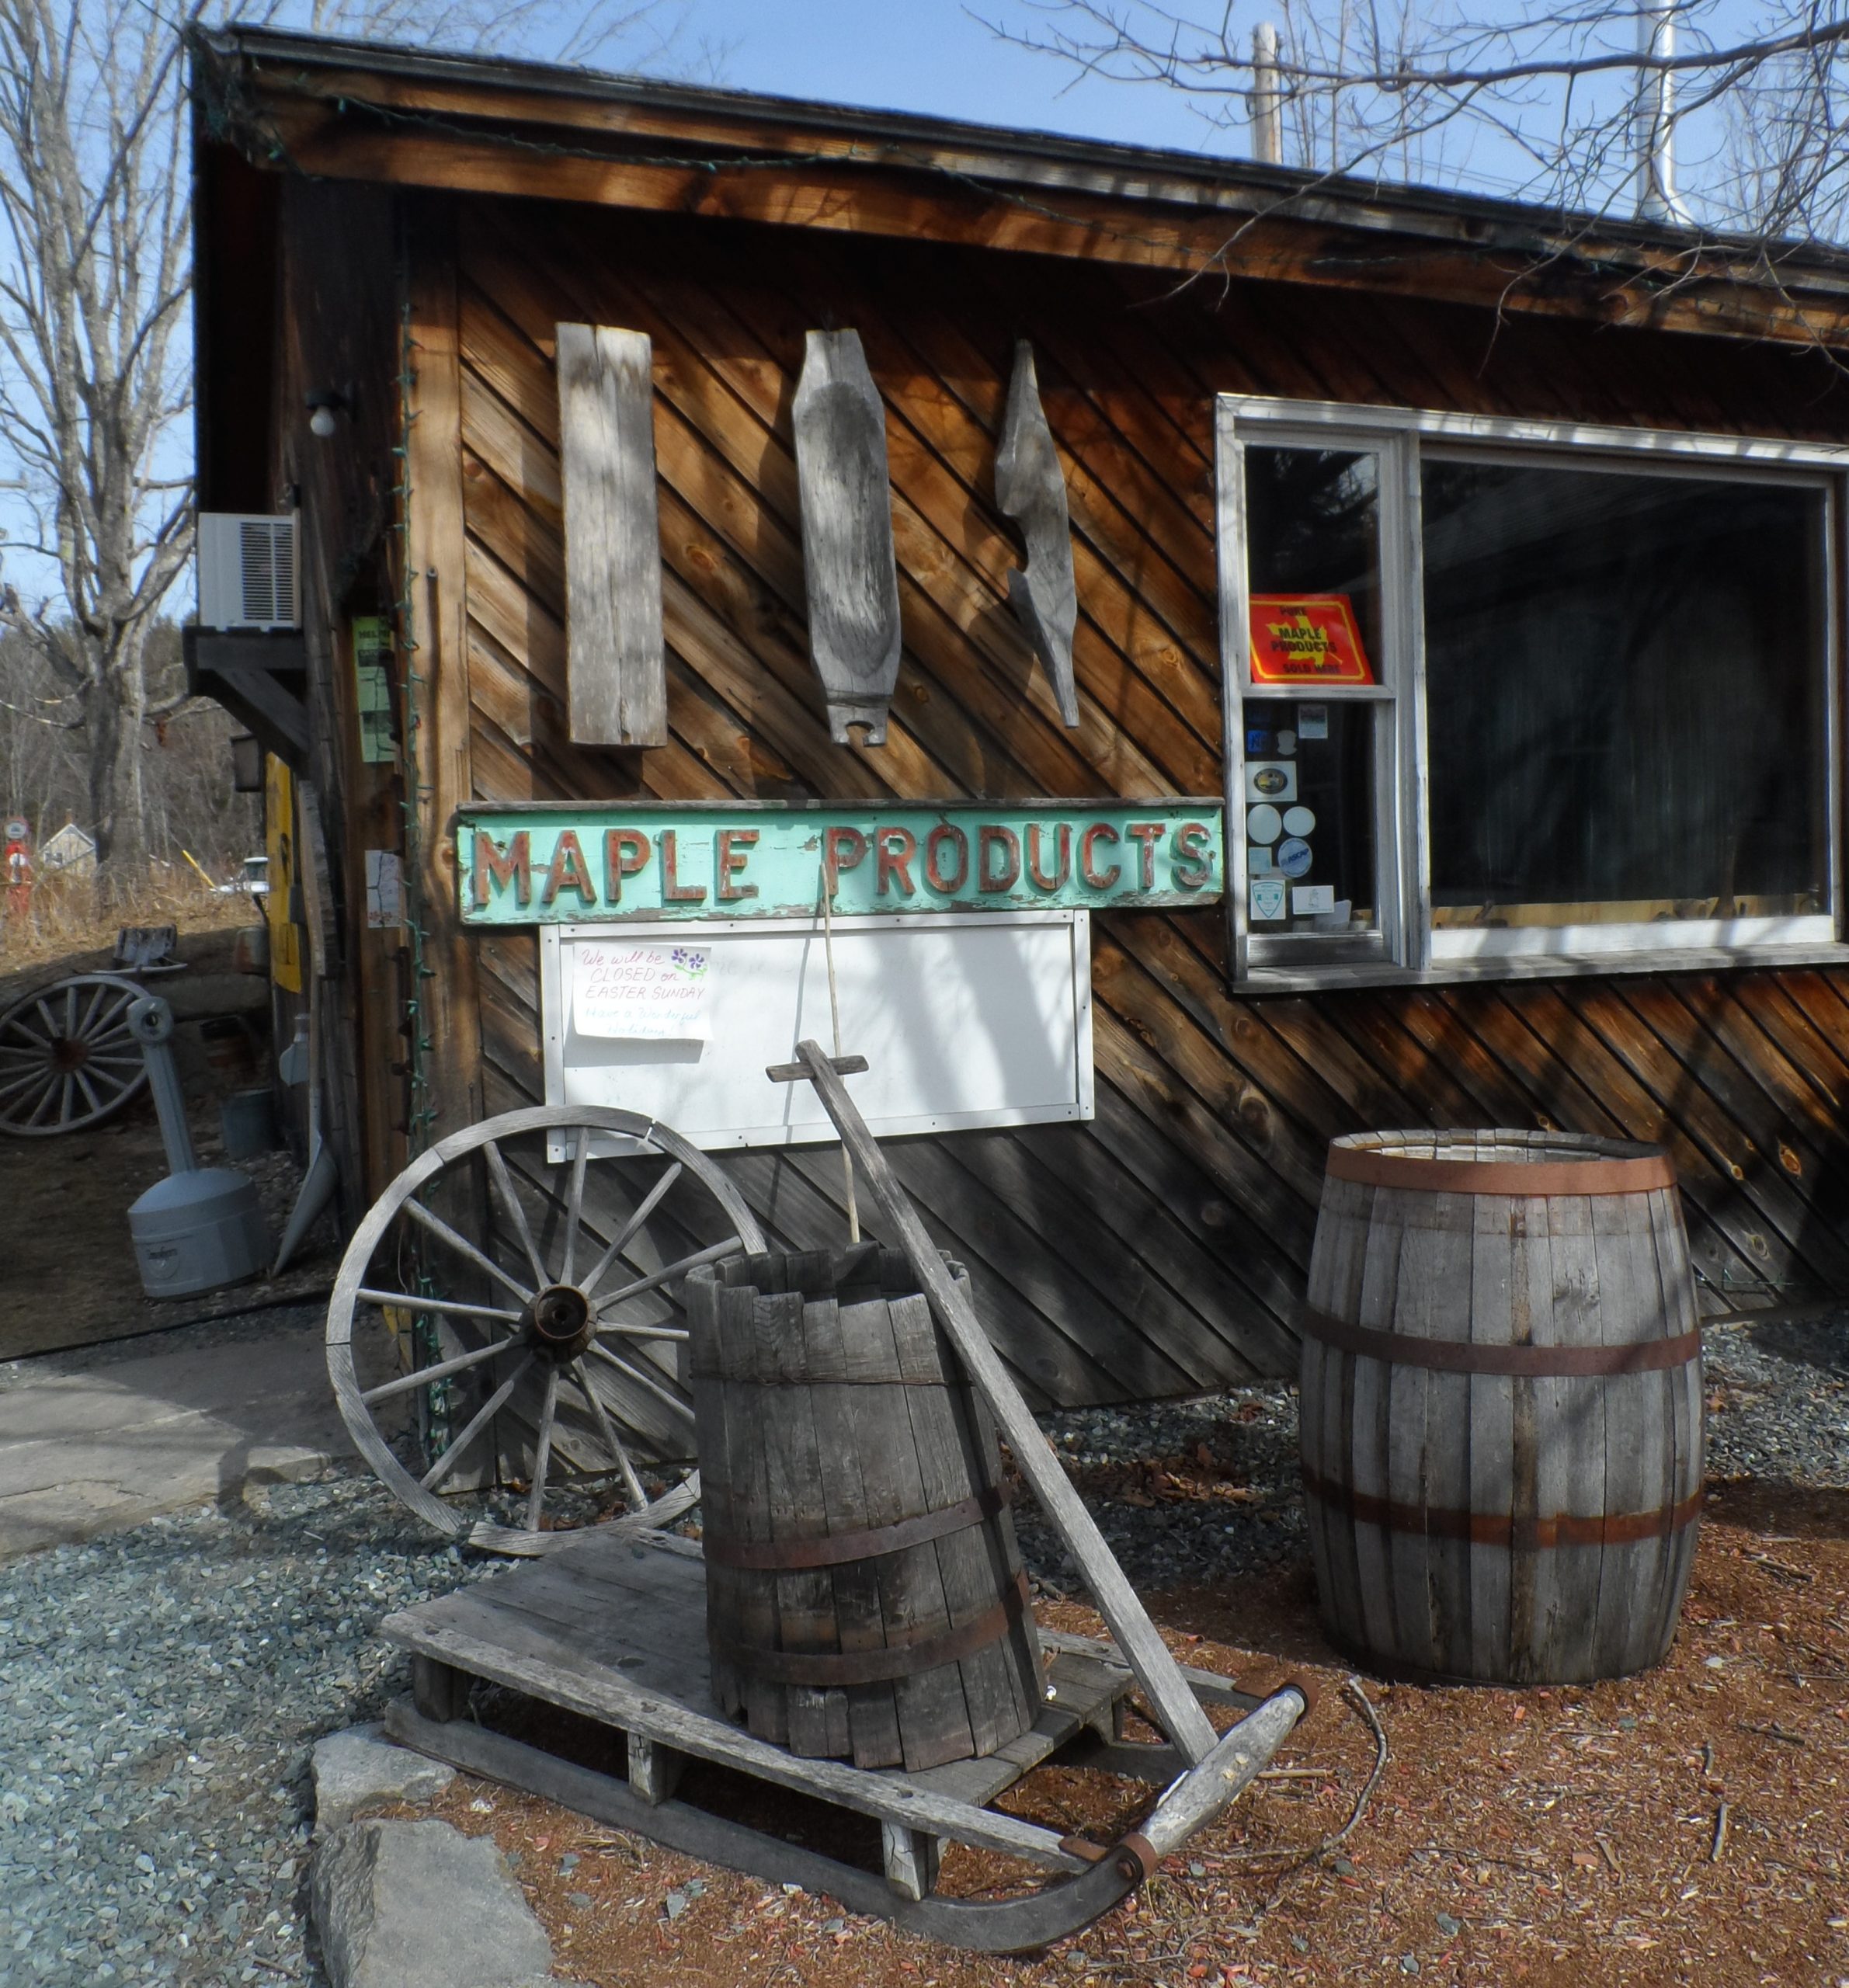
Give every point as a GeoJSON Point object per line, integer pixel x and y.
{"type": "Point", "coordinates": [613, 1628]}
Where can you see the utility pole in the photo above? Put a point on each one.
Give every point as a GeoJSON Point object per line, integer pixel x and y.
{"type": "Point", "coordinates": [1267, 98]}
{"type": "Point", "coordinates": [1653, 126]}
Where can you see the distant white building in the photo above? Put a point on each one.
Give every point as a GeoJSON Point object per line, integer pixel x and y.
{"type": "Point", "coordinates": [71, 852]}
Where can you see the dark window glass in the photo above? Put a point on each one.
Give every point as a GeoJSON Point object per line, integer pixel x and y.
{"type": "Point", "coordinates": [1313, 526]}
{"type": "Point", "coordinates": [1625, 680]}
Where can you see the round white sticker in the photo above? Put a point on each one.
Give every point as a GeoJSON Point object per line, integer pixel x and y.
{"type": "Point", "coordinates": [1299, 821]}
{"type": "Point", "coordinates": [1263, 822]}
{"type": "Point", "coordinates": [1294, 858]}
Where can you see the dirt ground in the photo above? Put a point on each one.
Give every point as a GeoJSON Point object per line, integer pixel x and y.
{"type": "Point", "coordinates": [67, 1274]}
{"type": "Point", "coordinates": [1690, 1826]}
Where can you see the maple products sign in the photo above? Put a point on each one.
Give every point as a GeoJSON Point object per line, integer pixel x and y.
{"type": "Point", "coordinates": [1301, 638]}
{"type": "Point", "coordinates": [567, 864]}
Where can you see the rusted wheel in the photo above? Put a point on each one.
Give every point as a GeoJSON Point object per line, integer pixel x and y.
{"type": "Point", "coordinates": [531, 1290]}
{"type": "Point", "coordinates": [67, 1058]}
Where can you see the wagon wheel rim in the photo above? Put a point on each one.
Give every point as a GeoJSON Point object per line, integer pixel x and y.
{"type": "Point", "coordinates": [560, 1314]}
{"type": "Point", "coordinates": [67, 1059]}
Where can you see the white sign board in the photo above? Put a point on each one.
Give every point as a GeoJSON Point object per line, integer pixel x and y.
{"type": "Point", "coordinates": [966, 1020]}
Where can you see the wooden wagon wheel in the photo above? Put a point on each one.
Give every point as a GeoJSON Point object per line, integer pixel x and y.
{"type": "Point", "coordinates": [541, 1291]}
{"type": "Point", "coordinates": [67, 1060]}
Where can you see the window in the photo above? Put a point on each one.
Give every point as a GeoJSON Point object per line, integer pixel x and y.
{"type": "Point", "coordinates": [1511, 689]}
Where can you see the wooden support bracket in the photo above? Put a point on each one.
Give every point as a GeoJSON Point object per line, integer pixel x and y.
{"type": "Point", "coordinates": [912, 1858]}
{"type": "Point", "coordinates": [654, 1770]}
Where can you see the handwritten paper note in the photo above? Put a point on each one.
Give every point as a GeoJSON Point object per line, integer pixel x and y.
{"type": "Point", "coordinates": [641, 993]}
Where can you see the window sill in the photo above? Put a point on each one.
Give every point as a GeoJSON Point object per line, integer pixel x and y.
{"type": "Point", "coordinates": [1334, 977]}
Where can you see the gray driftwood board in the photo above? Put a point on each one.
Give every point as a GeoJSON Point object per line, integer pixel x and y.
{"type": "Point", "coordinates": [849, 570]}
{"type": "Point", "coordinates": [614, 666]}
{"type": "Point", "coordinates": [1030, 486]}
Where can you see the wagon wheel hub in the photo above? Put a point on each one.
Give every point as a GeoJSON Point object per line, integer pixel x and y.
{"type": "Point", "coordinates": [69, 1053]}
{"type": "Point", "coordinates": [557, 1321]}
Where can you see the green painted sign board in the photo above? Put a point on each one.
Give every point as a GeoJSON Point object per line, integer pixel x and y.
{"type": "Point", "coordinates": [578, 862]}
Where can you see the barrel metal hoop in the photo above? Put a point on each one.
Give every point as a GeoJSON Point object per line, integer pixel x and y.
{"type": "Point", "coordinates": [1503, 1529]}
{"type": "Point", "coordinates": [1457, 1356]}
{"type": "Point", "coordinates": [1527, 1179]}
{"type": "Point", "coordinates": [787, 1555]}
{"type": "Point", "coordinates": [905, 1656]}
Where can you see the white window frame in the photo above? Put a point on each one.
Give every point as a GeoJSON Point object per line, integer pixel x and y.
{"type": "Point", "coordinates": [1407, 949]}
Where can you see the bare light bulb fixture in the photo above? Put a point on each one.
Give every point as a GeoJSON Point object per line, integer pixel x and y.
{"type": "Point", "coordinates": [325, 407]}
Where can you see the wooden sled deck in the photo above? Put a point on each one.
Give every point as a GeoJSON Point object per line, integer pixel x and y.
{"type": "Point", "coordinates": [614, 1629]}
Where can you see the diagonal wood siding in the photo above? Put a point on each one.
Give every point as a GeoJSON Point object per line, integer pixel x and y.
{"type": "Point", "coordinates": [1163, 1247]}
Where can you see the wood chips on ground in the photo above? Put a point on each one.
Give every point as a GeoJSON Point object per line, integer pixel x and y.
{"type": "Point", "coordinates": [1690, 1826]}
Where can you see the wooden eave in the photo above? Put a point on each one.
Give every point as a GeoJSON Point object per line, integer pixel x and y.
{"type": "Point", "coordinates": [350, 110]}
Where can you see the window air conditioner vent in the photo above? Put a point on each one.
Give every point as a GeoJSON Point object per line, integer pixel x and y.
{"type": "Point", "coordinates": [247, 572]}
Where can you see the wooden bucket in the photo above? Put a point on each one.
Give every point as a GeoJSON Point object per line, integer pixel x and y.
{"type": "Point", "coordinates": [1502, 1428]}
{"type": "Point", "coordinates": [865, 1597]}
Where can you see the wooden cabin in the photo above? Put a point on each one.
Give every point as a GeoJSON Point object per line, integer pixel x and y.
{"type": "Point", "coordinates": [1431, 607]}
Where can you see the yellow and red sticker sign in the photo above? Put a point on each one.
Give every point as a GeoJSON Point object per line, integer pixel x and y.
{"type": "Point", "coordinates": [1307, 638]}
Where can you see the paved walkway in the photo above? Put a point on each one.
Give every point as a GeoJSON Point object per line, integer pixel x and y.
{"type": "Point", "coordinates": [93, 1446]}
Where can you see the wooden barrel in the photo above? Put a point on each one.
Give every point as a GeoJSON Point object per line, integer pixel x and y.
{"type": "Point", "coordinates": [865, 1596]}
{"type": "Point", "coordinates": [1502, 1427]}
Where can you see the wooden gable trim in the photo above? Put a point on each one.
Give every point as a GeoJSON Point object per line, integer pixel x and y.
{"type": "Point", "coordinates": [439, 126]}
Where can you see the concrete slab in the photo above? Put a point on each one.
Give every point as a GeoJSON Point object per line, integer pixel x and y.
{"type": "Point", "coordinates": [105, 1447]}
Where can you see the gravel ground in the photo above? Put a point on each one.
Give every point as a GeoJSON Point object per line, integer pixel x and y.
{"type": "Point", "coordinates": [164, 1686]}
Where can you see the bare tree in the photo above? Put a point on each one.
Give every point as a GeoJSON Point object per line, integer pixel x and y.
{"type": "Point", "coordinates": [1566, 104]}
{"type": "Point", "coordinates": [95, 268]}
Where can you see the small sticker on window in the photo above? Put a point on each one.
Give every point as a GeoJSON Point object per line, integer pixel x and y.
{"type": "Point", "coordinates": [1268, 899]}
{"type": "Point", "coordinates": [1271, 779]}
{"type": "Point", "coordinates": [1293, 856]}
{"type": "Point", "coordinates": [1308, 899]}
{"type": "Point", "coordinates": [1312, 721]}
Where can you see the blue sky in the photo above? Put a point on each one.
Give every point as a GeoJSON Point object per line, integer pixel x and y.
{"type": "Point", "coordinates": [931, 56]}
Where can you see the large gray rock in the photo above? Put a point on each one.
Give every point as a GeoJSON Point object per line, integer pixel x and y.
{"type": "Point", "coordinates": [361, 1765]}
{"type": "Point", "coordinates": [420, 1905]}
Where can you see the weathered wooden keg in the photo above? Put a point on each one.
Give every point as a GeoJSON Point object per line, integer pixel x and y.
{"type": "Point", "coordinates": [1502, 1429]}
{"type": "Point", "coordinates": [865, 1596]}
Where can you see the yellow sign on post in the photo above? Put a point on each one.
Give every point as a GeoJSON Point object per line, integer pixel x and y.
{"type": "Point", "coordinates": [279, 845]}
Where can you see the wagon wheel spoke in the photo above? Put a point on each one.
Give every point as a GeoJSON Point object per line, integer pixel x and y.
{"type": "Point", "coordinates": [404, 1299]}
{"type": "Point", "coordinates": [90, 1097]}
{"type": "Point", "coordinates": [497, 1173]}
{"type": "Point", "coordinates": [485, 1414]}
{"type": "Point", "coordinates": [646, 1331]}
{"type": "Point", "coordinates": [71, 1010]}
{"type": "Point", "coordinates": [627, 1234]}
{"type": "Point", "coordinates": [13, 1085]}
{"type": "Point", "coordinates": [638, 1497]}
{"type": "Point", "coordinates": [464, 1248]}
{"type": "Point", "coordinates": [542, 1454]}
{"type": "Point", "coordinates": [665, 1395]}
{"type": "Point", "coordinates": [667, 1274]}
{"type": "Point", "coordinates": [574, 1206]}
{"type": "Point", "coordinates": [441, 1370]}
{"type": "Point", "coordinates": [20, 1023]}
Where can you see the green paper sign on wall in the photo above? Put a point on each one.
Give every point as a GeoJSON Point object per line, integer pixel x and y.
{"type": "Point", "coordinates": [573, 862]}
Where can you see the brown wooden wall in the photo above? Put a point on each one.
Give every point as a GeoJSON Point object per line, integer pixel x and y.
{"type": "Point", "coordinates": [1163, 1248]}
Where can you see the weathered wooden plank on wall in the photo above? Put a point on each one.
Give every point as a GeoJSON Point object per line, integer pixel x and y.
{"type": "Point", "coordinates": [612, 536]}
{"type": "Point", "coordinates": [1030, 488]}
{"type": "Point", "coordinates": [847, 535]}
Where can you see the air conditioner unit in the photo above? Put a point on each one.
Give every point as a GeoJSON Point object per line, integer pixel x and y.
{"type": "Point", "coordinates": [248, 576]}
